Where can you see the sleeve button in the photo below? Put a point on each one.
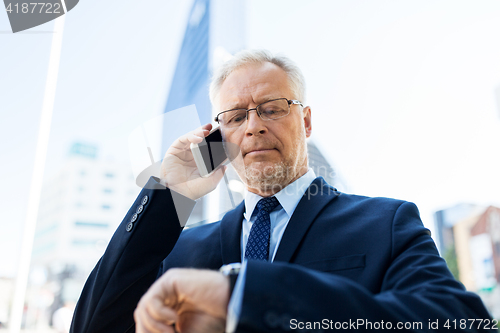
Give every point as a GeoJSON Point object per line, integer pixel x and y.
{"type": "Point", "coordinates": [130, 225]}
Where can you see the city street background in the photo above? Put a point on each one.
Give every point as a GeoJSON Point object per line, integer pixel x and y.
{"type": "Point", "coordinates": [405, 99]}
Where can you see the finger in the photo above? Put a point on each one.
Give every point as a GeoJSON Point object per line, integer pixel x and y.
{"type": "Point", "coordinates": [198, 133]}
{"type": "Point", "coordinates": [157, 309]}
{"type": "Point", "coordinates": [151, 325]}
{"type": "Point", "coordinates": [207, 127]}
{"type": "Point", "coordinates": [140, 328]}
{"type": "Point", "coordinates": [184, 141]}
{"type": "Point", "coordinates": [195, 136]}
{"type": "Point", "coordinates": [196, 322]}
{"type": "Point", "coordinates": [218, 174]}
{"type": "Point", "coordinates": [147, 323]}
{"type": "Point", "coordinates": [154, 326]}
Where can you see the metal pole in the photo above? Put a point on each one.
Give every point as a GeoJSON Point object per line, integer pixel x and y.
{"type": "Point", "coordinates": [17, 309]}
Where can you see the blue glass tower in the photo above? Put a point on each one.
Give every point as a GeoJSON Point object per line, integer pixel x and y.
{"type": "Point", "coordinates": [191, 78]}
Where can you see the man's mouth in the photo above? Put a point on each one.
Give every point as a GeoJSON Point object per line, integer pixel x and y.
{"type": "Point", "coordinates": [259, 151]}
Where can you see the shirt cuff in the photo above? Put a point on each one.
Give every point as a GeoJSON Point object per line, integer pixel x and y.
{"type": "Point", "coordinates": [236, 301]}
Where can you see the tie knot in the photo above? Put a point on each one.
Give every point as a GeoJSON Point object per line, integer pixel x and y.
{"type": "Point", "coordinates": [267, 204]}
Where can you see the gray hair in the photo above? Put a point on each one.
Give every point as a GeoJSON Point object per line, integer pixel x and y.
{"type": "Point", "coordinates": [246, 57]}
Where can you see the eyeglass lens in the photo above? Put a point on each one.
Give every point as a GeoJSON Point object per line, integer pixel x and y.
{"type": "Point", "coordinates": [267, 111]}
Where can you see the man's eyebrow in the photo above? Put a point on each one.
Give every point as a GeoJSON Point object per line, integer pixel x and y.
{"type": "Point", "coordinates": [261, 100]}
{"type": "Point", "coordinates": [267, 98]}
{"type": "Point", "coordinates": [235, 106]}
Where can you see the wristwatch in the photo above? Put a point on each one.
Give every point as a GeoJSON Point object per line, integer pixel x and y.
{"type": "Point", "coordinates": [231, 270]}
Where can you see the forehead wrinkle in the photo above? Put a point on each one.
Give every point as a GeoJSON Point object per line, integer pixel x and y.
{"type": "Point", "coordinates": [242, 89]}
{"type": "Point", "coordinates": [254, 98]}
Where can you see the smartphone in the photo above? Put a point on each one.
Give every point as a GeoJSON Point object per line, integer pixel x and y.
{"type": "Point", "coordinates": [209, 155]}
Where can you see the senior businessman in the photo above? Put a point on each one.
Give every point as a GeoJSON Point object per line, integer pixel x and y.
{"type": "Point", "coordinates": [309, 253]}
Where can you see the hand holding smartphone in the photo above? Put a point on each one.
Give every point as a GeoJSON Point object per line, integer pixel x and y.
{"type": "Point", "coordinates": [209, 155]}
{"type": "Point", "coordinates": [181, 173]}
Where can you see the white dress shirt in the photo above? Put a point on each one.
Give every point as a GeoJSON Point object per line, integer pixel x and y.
{"type": "Point", "coordinates": [288, 198]}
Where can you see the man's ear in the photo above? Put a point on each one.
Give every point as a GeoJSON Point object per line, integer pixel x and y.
{"type": "Point", "coordinates": [307, 121]}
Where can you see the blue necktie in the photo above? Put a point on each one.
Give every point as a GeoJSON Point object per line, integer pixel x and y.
{"type": "Point", "coordinates": [258, 240]}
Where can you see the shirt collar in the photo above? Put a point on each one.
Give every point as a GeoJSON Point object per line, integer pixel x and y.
{"type": "Point", "coordinates": [288, 197]}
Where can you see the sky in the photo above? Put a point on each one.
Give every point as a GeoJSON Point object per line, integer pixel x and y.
{"type": "Point", "coordinates": [402, 92]}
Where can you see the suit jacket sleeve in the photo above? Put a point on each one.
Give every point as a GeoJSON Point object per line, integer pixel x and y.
{"type": "Point", "coordinates": [417, 287]}
{"type": "Point", "coordinates": [131, 261]}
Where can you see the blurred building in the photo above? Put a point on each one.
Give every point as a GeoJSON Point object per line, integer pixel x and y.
{"type": "Point", "coordinates": [319, 163]}
{"type": "Point", "coordinates": [80, 208]}
{"type": "Point", "coordinates": [477, 240]}
{"type": "Point", "coordinates": [470, 242]}
{"type": "Point", "coordinates": [445, 219]}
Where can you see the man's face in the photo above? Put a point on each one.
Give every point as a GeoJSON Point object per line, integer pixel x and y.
{"type": "Point", "coordinates": [273, 152]}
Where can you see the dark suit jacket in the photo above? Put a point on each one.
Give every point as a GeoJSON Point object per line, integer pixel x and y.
{"type": "Point", "coordinates": [343, 258]}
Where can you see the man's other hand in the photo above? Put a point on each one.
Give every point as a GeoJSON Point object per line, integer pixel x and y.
{"type": "Point", "coordinates": [185, 301]}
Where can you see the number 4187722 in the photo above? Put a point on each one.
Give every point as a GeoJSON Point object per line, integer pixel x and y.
{"type": "Point", "coordinates": [34, 7]}
{"type": "Point", "coordinates": [471, 324]}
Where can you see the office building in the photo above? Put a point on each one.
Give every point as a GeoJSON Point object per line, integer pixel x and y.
{"type": "Point", "coordinates": [445, 219]}
{"type": "Point", "coordinates": [469, 238]}
{"type": "Point", "coordinates": [80, 208]}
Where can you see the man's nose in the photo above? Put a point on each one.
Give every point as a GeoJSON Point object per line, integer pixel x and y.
{"type": "Point", "coordinates": [254, 124]}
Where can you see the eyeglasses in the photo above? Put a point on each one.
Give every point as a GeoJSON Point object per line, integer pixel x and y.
{"type": "Point", "coordinates": [270, 110]}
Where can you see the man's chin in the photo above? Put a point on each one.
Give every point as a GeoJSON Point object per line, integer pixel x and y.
{"type": "Point", "coordinates": [264, 169]}
{"type": "Point", "coordinates": [265, 175]}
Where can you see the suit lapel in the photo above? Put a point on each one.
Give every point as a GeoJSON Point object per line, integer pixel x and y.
{"type": "Point", "coordinates": [317, 196]}
{"type": "Point", "coordinates": [230, 233]}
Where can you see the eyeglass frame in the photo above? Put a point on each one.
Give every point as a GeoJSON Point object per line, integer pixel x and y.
{"type": "Point", "coordinates": [289, 101]}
